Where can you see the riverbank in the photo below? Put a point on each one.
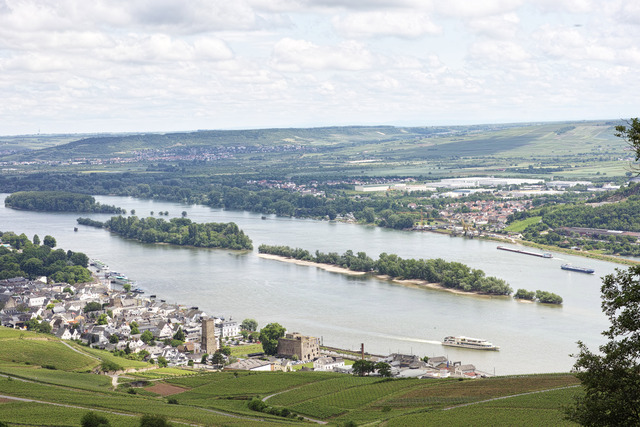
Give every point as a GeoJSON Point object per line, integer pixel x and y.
{"type": "Point", "coordinates": [408, 283]}
{"type": "Point", "coordinates": [326, 267]}
{"type": "Point", "coordinates": [547, 248]}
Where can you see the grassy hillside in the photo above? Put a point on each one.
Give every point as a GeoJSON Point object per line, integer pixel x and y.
{"type": "Point", "coordinates": [222, 398]}
{"type": "Point", "coordinates": [576, 149]}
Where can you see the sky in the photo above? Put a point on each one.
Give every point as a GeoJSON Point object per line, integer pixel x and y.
{"type": "Point", "coordinates": [78, 66]}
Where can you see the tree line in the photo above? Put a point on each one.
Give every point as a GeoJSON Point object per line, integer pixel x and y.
{"type": "Point", "coordinates": [176, 231]}
{"type": "Point", "coordinates": [58, 201]}
{"type": "Point", "coordinates": [452, 275]}
{"type": "Point", "coordinates": [29, 259]}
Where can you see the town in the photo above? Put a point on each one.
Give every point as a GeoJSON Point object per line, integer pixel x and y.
{"type": "Point", "coordinates": [126, 323]}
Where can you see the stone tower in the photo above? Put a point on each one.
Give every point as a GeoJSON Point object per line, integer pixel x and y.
{"type": "Point", "coordinates": [209, 343]}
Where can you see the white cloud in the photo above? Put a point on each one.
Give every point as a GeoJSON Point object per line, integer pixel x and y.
{"type": "Point", "coordinates": [503, 27]}
{"type": "Point", "coordinates": [297, 55]}
{"type": "Point", "coordinates": [385, 23]}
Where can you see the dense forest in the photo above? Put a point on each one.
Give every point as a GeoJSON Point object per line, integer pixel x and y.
{"type": "Point", "coordinates": [28, 258]}
{"type": "Point", "coordinates": [57, 201]}
{"type": "Point", "coordinates": [177, 231]}
{"type": "Point", "coordinates": [453, 275]}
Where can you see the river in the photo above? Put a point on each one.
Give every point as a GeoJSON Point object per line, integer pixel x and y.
{"type": "Point", "coordinates": [346, 310]}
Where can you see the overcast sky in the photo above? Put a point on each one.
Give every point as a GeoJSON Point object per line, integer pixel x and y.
{"type": "Point", "coordinates": [162, 65]}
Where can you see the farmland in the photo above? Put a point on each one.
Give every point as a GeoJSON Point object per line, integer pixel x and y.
{"type": "Point", "coordinates": [335, 398]}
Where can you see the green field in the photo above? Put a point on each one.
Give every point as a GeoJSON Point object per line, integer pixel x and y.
{"type": "Point", "coordinates": [519, 226]}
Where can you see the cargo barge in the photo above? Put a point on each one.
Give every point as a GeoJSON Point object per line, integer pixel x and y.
{"type": "Point", "coordinates": [578, 269]}
{"type": "Point", "coordinates": [520, 251]}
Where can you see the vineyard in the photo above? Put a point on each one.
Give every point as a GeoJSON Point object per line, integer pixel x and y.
{"type": "Point", "coordinates": [50, 373]}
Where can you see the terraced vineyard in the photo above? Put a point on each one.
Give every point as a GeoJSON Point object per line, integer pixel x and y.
{"type": "Point", "coordinates": [45, 372]}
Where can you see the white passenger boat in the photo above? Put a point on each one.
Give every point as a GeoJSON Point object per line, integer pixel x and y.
{"type": "Point", "coordinates": [466, 342]}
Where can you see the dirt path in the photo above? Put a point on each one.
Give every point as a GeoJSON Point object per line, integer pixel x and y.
{"type": "Point", "coordinates": [264, 399]}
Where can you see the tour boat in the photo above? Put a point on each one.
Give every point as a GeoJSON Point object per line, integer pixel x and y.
{"type": "Point", "coordinates": [466, 342]}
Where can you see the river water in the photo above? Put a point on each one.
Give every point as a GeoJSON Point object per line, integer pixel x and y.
{"type": "Point", "coordinates": [345, 310]}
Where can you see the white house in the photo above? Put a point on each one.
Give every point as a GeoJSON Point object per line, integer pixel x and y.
{"type": "Point", "coordinates": [327, 363]}
{"type": "Point", "coordinates": [36, 301]}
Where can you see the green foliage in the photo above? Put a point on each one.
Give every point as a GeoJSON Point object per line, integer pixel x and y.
{"type": "Point", "coordinates": [269, 337]}
{"type": "Point", "coordinates": [49, 241]}
{"type": "Point", "coordinates": [38, 326]}
{"type": "Point", "coordinates": [92, 306]}
{"type": "Point", "coordinates": [162, 362]}
{"type": "Point", "coordinates": [525, 294]}
{"type": "Point", "coordinates": [363, 367]}
{"type": "Point", "coordinates": [92, 419]}
{"type": "Point", "coordinates": [57, 201]}
{"type": "Point", "coordinates": [110, 366]}
{"type": "Point", "coordinates": [548, 297]}
{"type": "Point", "coordinates": [179, 231]}
{"type": "Point", "coordinates": [631, 134]}
{"type": "Point", "coordinates": [149, 420]}
{"type": "Point", "coordinates": [146, 337]}
{"type": "Point", "coordinates": [134, 328]}
{"type": "Point", "coordinates": [29, 260]}
{"type": "Point", "coordinates": [179, 335]}
{"type": "Point", "coordinates": [249, 325]}
{"type": "Point", "coordinates": [448, 274]}
{"type": "Point", "coordinates": [611, 378]}
{"type": "Point", "coordinates": [383, 368]}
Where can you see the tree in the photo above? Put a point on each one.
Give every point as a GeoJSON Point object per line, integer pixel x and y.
{"type": "Point", "coordinates": [36, 240]}
{"type": "Point", "coordinates": [631, 134]}
{"type": "Point", "coordinates": [362, 367]}
{"type": "Point", "coordinates": [146, 337]}
{"type": "Point", "coordinates": [179, 335]}
{"type": "Point", "coordinates": [269, 337]}
{"type": "Point", "coordinates": [49, 241]}
{"type": "Point", "coordinates": [249, 325]}
{"type": "Point", "coordinates": [383, 368]}
{"type": "Point", "coordinates": [611, 379]}
{"type": "Point", "coordinates": [217, 358]}
{"type": "Point", "coordinates": [162, 362]}
{"type": "Point", "coordinates": [91, 419]}
{"type": "Point", "coordinates": [154, 421]}
{"type": "Point", "coordinates": [109, 366]}
{"type": "Point", "coordinates": [184, 214]}
{"type": "Point", "coordinates": [134, 328]}
{"type": "Point", "coordinates": [102, 319]}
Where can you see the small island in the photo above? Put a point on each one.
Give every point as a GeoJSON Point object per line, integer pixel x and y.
{"type": "Point", "coordinates": [430, 273]}
{"type": "Point", "coordinates": [58, 201]}
{"type": "Point", "coordinates": [176, 231]}
{"type": "Point", "coordinates": [450, 275]}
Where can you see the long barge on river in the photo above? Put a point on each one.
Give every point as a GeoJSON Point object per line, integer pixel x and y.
{"type": "Point", "coordinates": [570, 267]}
{"type": "Point", "coordinates": [520, 251]}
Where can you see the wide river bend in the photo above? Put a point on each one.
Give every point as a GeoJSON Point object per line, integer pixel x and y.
{"type": "Point", "coordinates": [348, 310]}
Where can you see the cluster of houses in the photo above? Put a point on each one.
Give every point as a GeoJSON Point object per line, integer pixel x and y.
{"type": "Point", "coordinates": [63, 307]}
{"type": "Point", "coordinates": [101, 317]}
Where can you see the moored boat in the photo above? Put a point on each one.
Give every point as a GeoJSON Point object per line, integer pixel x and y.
{"type": "Point", "coordinates": [467, 342]}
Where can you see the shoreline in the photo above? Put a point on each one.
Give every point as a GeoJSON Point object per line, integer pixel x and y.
{"type": "Point", "coordinates": [326, 267]}
{"type": "Point", "coordinates": [408, 283]}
